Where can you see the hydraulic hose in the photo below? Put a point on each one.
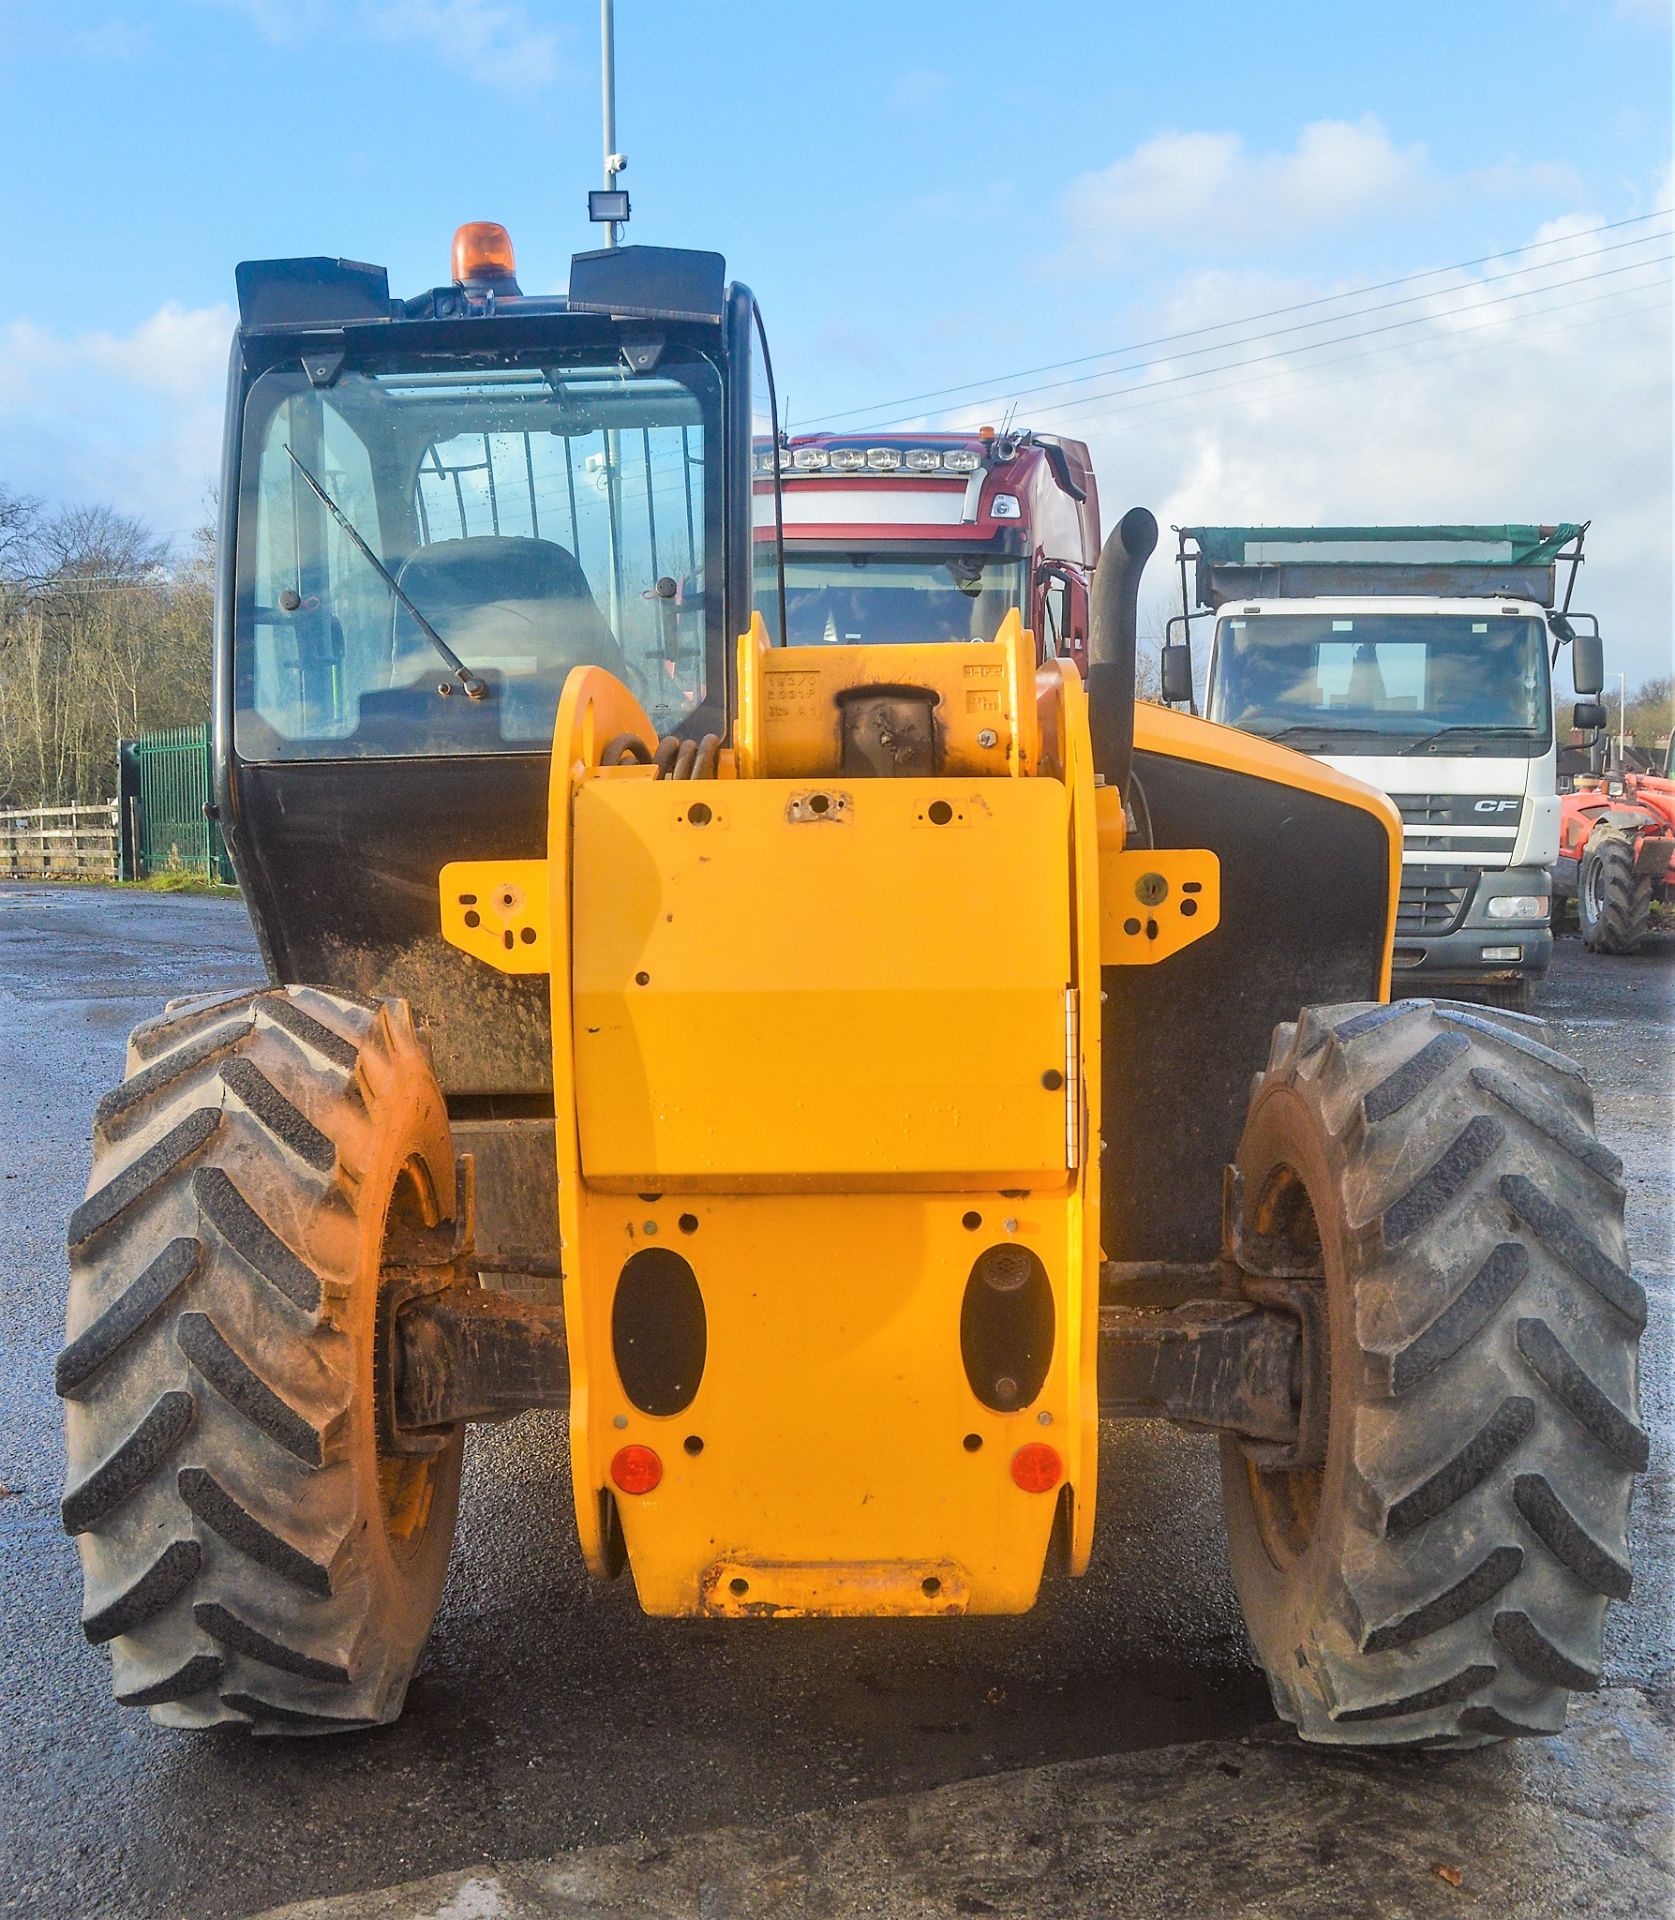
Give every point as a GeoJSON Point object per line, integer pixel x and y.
{"type": "Point", "coordinates": [1112, 645]}
{"type": "Point", "coordinates": [675, 758]}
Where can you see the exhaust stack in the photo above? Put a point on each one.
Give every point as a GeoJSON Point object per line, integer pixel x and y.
{"type": "Point", "coordinates": [1112, 644]}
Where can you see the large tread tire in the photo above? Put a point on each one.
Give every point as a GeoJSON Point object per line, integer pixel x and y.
{"type": "Point", "coordinates": [1443, 1579]}
{"type": "Point", "coordinates": [1613, 902]}
{"type": "Point", "coordinates": [251, 1550]}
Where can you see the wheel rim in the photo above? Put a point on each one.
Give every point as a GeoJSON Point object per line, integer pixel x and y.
{"type": "Point", "coordinates": [1286, 1500]}
{"type": "Point", "coordinates": [1591, 902]}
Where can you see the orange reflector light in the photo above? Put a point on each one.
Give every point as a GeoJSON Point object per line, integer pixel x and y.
{"type": "Point", "coordinates": [1036, 1468]}
{"type": "Point", "coordinates": [638, 1469]}
{"type": "Point", "coordinates": [483, 253]}
{"type": "Point", "coordinates": [985, 434]}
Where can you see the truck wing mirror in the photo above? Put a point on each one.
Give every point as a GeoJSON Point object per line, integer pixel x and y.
{"type": "Point", "coordinates": [1588, 716]}
{"type": "Point", "coordinates": [1176, 669]}
{"type": "Point", "coordinates": [1587, 663]}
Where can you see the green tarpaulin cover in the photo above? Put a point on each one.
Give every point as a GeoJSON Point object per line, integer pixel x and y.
{"type": "Point", "coordinates": [1413, 546]}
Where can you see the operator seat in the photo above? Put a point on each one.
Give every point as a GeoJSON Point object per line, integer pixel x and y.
{"type": "Point", "coordinates": [501, 600]}
{"type": "Point", "coordinates": [519, 612]}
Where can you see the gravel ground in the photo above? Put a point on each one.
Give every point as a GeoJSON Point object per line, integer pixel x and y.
{"type": "Point", "coordinates": [551, 1715]}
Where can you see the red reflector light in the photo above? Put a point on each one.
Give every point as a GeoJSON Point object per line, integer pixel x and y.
{"type": "Point", "coordinates": [1037, 1467]}
{"type": "Point", "coordinates": [638, 1469]}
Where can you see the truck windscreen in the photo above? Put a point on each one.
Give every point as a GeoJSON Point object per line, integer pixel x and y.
{"type": "Point", "coordinates": [862, 599]}
{"type": "Point", "coordinates": [538, 516]}
{"type": "Point", "coordinates": [1371, 683]}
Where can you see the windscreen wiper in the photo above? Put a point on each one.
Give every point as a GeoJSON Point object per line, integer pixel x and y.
{"type": "Point", "coordinates": [1482, 732]}
{"type": "Point", "coordinates": [467, 679]}
{"type": "Point", "coordinates": [1317, 726]}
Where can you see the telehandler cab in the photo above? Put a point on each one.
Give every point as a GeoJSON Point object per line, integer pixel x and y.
{"type": "Point", "coordinates": [839, 1077]}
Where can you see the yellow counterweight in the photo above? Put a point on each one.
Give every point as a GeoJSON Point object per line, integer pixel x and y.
{"type": "Point", "coordinates": [826, 1049]}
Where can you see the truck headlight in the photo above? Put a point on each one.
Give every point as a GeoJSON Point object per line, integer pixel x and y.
{"type": "Point", "coordinates": [1518, 906]}
{"type": "Point", "coordinates": [1502, 953]}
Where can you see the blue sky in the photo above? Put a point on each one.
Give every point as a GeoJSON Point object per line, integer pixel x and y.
{"type": "Point", "coordinates": [923, 195]}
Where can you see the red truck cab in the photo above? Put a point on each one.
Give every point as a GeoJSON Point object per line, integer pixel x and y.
{"type": "Point", "coordinates": [930, 536]}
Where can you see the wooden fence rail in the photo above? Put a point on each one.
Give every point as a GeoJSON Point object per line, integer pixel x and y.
{"type": "Point", "coordinates": [59, 842]}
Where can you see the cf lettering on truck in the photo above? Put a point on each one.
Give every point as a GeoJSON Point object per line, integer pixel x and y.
{"type": "Point", "coordinates": [1419, 659]}
{"type": "Point", "coordinates": [913, 537]}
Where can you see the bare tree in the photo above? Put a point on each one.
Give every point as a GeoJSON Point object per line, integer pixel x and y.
{"type": "Point", "coordinates": [1650, 712]}
{"type": "Point", "coordinates": [18, 517]}
{"type": "Point", "coordinates": [102, 634]}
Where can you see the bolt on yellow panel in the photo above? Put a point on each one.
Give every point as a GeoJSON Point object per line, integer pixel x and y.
{"type": "Point", "coordinates": [848, 987]}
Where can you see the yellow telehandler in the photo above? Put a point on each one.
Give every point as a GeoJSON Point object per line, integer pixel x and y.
{"type": "Point", "coordinates": [839, 1076]}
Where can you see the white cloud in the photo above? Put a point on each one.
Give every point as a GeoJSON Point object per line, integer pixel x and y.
{"type": "Point", "coordinates": [1198, 187]}
{"type": "Point", "coordinates": [495, 42]}
{"type": "Point", "coordinates": [1516, 412]}
{"type": "Point", "coordinates": [1536, 179]}
{"type": "Point", "coordinates": [284, 22]}
{"type": "Point", "coordinates": [132, 420]}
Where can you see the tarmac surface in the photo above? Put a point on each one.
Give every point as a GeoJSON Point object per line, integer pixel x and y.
{"type": "Point", "coordinates": [1229, 1829]}
{"type": "Point", "coordinates": [551, 1716]}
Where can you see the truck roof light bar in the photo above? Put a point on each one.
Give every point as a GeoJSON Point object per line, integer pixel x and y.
{"type": "Point", "coordinates": [911, 462]}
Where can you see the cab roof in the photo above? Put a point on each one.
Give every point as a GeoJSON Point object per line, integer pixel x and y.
{"type": "Point", "coordinates": [316, 292]}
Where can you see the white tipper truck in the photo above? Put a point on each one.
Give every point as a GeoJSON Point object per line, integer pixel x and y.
{"type": "Point", "coordinates": [1418, 659]}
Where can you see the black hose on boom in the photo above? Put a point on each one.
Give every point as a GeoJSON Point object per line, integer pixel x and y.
{"type": "Point", "coordinates": [1112, 644]}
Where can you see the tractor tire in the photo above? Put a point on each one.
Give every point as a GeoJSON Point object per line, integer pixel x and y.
{"type": "Point", "coordinates": [254, 1549]}
{"type": "Point", "coordinates": [1613, 902]}
{"type": "Point", "coordinates": [1441, 1577]}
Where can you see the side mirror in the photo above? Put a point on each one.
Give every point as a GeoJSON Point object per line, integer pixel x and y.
{"type": "Point", "coordinates": [1587, 663]}
{"type": "Point", "coordinates": [1175, 664]}
{"type": "Point", "coordinates": [1588, 716]}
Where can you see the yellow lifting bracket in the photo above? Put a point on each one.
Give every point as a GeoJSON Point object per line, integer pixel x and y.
{"type": "Point", "coordinates": [498, 911]}
{"type": "Point", "coordinates": [1153, 901]}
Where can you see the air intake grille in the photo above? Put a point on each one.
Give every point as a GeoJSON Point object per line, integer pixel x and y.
{"type": "Point", "coordinates": [1429, 906]}
{"type": "Point", "coordinates": [1426, 809]}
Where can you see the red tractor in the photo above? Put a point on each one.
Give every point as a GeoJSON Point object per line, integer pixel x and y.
{"type": "Point", "coordinates": [1616, 839]}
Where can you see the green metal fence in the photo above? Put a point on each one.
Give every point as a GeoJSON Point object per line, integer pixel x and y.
{"type": "Point", "coordinates": [172, 783]}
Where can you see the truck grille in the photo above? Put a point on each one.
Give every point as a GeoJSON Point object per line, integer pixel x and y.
{"type": "Point", "coordinates": [1468, 823]}
{"type": "Point", "coordinates": [1428, 906]}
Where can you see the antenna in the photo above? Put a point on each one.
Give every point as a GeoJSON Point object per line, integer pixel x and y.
{"type": "Point", "coordinates": [609, 204]}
